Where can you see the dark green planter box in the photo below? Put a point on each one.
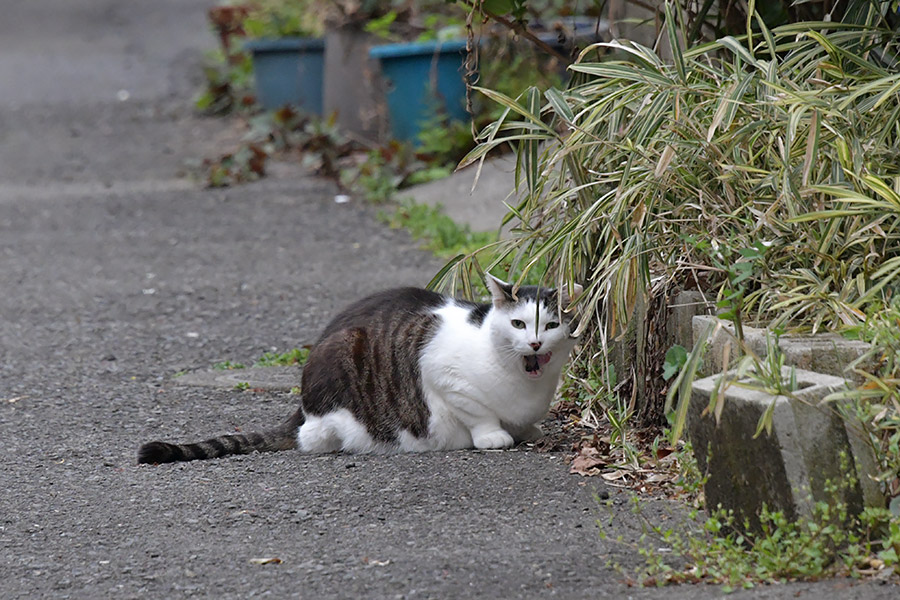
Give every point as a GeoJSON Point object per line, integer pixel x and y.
{"type": "Point", "coordinates": [421, 80]}
{"type": "Point", "coordinates": [288, 71]}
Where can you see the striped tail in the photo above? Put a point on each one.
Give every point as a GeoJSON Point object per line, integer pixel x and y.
{"type": "Point", "coordinates": [283, 437]}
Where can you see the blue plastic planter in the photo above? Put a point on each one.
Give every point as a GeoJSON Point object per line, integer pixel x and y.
{"type": "Point", "coordinates": [289, 71]}
{"type": "Point", "coordinates": [422, 78]}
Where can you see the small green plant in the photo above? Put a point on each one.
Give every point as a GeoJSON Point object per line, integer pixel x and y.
{"type": "Point", "coordinates": [427, 174]}
{"type": "Point", "coordinates": [738, 273]}
{"type": "Point", "coordinates": [890, 543]}
{"type": "Point", "coordinates": [282, 18]}
{"type": "Point", "coordinates": [441, 27]}
{"type": "Point", "coordinates": [592, 386]}
{"type": "Point", "coordinates": [387, 169]}
{"type": "Point", "coordinates": [444, 142]}
{"type": "Point", "coordinates": [247, 163]}
{"type": "Point", "coordinates": [690, 480]}
{"type": "Point", "coordinates": [241, 386]}
{"type": "Point", "coordinates": [381, 26]}
{"type": "Point", "coordinates": [296, 356]}
{"type": "Point", "coordinates": [227, 365]}
{"type": "Point", "coordinates": [438, 232]}
{"type": "Point", "coordinates": [875, 404]}
{"type": "Point", "coordinates": [768, 374]}
{"type": "Point", "coordinates": [676, 357]}
{"type": "Point", "coordinates": [619, 415]}
{"type": "Point", "coordinates": [719, 549]}
{"type": "Point", "coordinates": [280, 132]}
{"type": "Point", "coordinates": [229, 84]}
{"type": "Point", "coordinates": [418, 21]}
{"type": "Point", "coordinates": [376, 179]}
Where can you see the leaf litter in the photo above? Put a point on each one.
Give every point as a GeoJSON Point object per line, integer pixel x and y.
{"type": "Point", "coordinates": [653, 469]}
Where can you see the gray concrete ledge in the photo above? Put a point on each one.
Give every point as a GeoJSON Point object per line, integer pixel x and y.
{"type": "Point", "coordinates": [266, 378]}
{"type": "Point", "coordinates": [482, 209]}
{"type": "Point", "coordinates": [810, 446]}
{"type": "Point", "coordinates": [823, 353]}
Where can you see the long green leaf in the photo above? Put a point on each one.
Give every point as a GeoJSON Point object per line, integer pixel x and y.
{"type": "Point", "coordinates": [674, 43]}
{"type": "Point", "coordinates": [739, 49]}
{"type": "Point", "coordinates": [682, 386]}
{"type": "Point", "coordinates": [558, 102]}
{"type": "Point", "coordinates": [514, 106]}
{"type": "Point", "coordinates": [623, 71]}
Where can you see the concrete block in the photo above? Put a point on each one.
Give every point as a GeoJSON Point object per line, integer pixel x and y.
{"type": "Point", "coordinates": [723, 342]}
{"type": "Point", "coordinates": [826, 353]}
{"type": "Point", "coordinates": [682, 309]}
{"type": "Point", "coordinates": [810, 445]}
{"type": "Point", "coordinates": [353, 88]}
{"type": "Point", "coordinates": [266, 378]}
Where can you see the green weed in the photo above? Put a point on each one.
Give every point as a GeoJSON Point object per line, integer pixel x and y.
{"type": "Point", "coordinates": [690, 480]}
{"type": "Point", "coordinates": [229, 84]}
{"type": "Point", "coordinates": [719, 549]}
{"type": "Point", "coordinates": [227, 365]}
{"type": "Point", "coordinates": [438, 233]}
{"type": "Point", "coordinates": [296, 356]}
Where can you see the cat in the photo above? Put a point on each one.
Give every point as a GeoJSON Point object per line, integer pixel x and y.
{"type": "Point", "coordinates": [413, 370]}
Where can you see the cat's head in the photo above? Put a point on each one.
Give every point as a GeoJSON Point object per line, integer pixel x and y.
{"type": "Point", "coordinates": [530, 326]}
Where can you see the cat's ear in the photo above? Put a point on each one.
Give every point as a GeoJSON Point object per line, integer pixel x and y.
{"type": "Point", "coordinates": [565, 300]}
{"type": "Point", "coordinates": [501, 292]}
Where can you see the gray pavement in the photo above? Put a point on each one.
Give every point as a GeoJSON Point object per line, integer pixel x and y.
{"type": "Point", "coordinates": [472, 197]}
{"type": "Point", "coordinates": [116, 273]}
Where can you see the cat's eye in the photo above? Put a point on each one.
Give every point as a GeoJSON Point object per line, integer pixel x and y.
{"type": "Point", "coordinates": [552, 325]}
{"type": "Point", "coordinates": [518, 324]}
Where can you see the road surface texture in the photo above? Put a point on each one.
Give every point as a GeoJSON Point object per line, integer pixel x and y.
{"type": "Point", "coordinates": [116, 272]}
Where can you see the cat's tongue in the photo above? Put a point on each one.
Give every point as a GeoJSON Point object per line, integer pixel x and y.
{"type": "Point", "coordinates": [534, 364]}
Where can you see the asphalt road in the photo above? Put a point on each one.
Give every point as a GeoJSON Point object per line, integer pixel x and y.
{"type": "Point", "coordinates": [116, 272]}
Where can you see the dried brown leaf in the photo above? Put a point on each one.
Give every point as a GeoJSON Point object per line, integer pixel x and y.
{"type": "Point", "coordinates": [614, 475]}
{"type": "Point", "coordinates": [586, 465]}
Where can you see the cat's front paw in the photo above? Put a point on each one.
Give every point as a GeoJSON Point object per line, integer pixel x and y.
{"type": "Point", "coordinates": [495, 438]}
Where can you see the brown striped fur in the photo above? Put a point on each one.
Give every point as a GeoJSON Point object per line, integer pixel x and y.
{"type": "Point", "coordinates": [366, 361]}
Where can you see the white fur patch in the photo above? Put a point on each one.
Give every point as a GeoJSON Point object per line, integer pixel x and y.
{"type": "Point", "coordinates": [338, 430]}
{"type": "Point", "coordinates": [474, 376]}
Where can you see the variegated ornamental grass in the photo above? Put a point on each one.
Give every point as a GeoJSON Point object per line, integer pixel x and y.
{"type": "Point", "coordinates": [763, 170]}
{"type": "Point", "coordinates": [769, 162]}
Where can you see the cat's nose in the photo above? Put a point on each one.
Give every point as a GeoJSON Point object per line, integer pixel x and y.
{"type": "Point", "coordinates": [535, 346]}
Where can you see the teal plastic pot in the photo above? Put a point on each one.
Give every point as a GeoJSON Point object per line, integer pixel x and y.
{"type": "Point", "coordinates": [422, 80]}
{"type": "Point", "coordinates": [288, 71]}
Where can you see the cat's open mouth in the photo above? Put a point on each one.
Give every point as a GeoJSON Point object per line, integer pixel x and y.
{"type": "Point", "coordinates": [534, 364]}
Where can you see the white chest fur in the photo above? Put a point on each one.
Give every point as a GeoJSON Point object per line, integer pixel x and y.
{"type": "Point", "coordinates": [472, 385]}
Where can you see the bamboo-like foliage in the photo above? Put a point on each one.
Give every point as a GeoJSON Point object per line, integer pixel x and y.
{"type": "Point", "coordinates": [768, 163]}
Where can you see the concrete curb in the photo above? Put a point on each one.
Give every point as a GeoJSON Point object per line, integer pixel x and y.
{"type": "Point", "coordinates": [823, 353]}
{"type": "Point", "coordinates": [482, 209]}
{"type": "Point", "coordinates": [266, 378]}
{"type": "Point", "coordinates": [811, 447]}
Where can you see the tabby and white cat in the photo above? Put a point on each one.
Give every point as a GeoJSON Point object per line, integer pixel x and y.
{"type": "Point", "coordinates": [412, 370]}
